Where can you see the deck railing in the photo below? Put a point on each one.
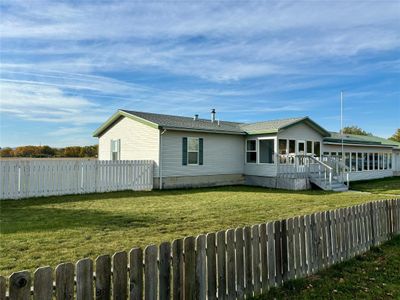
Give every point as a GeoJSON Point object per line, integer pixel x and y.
{"type": "Point", "coordinates": [305, 166]}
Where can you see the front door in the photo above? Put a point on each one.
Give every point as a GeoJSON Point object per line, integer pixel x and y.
{"type": "Point", "coordinates": [301, 147]}
{"type": "Point", "coordinates": [301, 151]}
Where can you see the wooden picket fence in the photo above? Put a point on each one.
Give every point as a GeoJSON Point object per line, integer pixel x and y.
{"type": "Point", "coordinates": [33, 178]}
{"type": "Point", "coordinates": [233, 264]}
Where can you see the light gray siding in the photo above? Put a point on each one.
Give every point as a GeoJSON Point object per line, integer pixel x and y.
{"type": "Point", "coordinates": [347, 148]}
{"type": "Point", "coordinates": [223, 154]}
{"type": "Point", "coordinates": [300, 132]}
{"type": "Point", "coordinates": [396, 160]}
{"type": "Point", "coordinates": [138, 141]}
{"type": "Point", "coordinates": [366, 175]}
{"type": "Point", "coordinates": [260, 169]}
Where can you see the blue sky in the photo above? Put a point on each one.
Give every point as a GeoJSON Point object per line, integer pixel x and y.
{"type": "Point", "coordinates": [67, 66]}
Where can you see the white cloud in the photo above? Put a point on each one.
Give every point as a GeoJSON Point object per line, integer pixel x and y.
{"type": "Point", "coordinates": [216, 41]}
{"type": "Point", "coordinates": [59, 57]}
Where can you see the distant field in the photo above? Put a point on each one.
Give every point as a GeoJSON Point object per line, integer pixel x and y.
{"type": "Point", "coordinates": [47, 231]}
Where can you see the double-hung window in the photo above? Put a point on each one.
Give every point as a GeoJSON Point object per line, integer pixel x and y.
{"type": "Point", "coordinates": [116, 149]}
{"type": "Point", "coordinates": [251, 151]}
{"type": "Point", "coordinates": [193, 151]}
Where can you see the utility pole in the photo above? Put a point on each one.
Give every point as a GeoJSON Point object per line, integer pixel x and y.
{"type": "Point", "coordinates": [341, 122]}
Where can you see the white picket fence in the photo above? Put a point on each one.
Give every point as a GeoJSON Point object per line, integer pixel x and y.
{"type": "Point", "coordinates": [34, 178]}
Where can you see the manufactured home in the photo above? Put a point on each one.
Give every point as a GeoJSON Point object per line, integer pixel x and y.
{"type": "Point", "coordinates": [294, 153]}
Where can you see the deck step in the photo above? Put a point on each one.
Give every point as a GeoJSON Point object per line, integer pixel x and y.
{"type": "Point", "coordinates": [323, 184]}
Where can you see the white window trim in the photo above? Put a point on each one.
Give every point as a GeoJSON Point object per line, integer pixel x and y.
{"type": "Point", "coordinates": [256, 151]}
{"type": "Point", "coordinates": [118, 142]}
{"type": "Point", "coordinates": [297, 146]}
{"type": "Point", "coordinates": [198, 151]}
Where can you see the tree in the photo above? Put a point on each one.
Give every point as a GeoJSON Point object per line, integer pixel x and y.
{"type": "Point", "coordinates": [6, 152]}
{"type": "Point", "coordinates": [26, 151]}
{"type": "Point", "coordinates": [355, 130]}
{"type": "Point", "coordinates": [89, 151]}
{"type": "Point", "coordinates": [73, 151]}
{"type": "Point", "coordinates": [396, 136]}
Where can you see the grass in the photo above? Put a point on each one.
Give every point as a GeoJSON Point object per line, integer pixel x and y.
{"type": "Point", "coordinates": [47, 231]}
{"type": "Point", "coordinates": [373, 275]}
{"type": "Point", "coordinates": [390, 185]}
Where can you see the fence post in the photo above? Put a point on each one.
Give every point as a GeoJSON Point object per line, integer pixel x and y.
{"type": "Point", "coordinates": [372, 220]}
{"type": "Point", "coordinates": [43, 284]}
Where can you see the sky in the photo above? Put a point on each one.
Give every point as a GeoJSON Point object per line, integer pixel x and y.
{"type": "Point", "coordinates": [66, 66]}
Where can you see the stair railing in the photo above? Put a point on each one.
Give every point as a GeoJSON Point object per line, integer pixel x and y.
{"type": "Point", "coordinates": [302, 165]}
{"type": "Point", "coordinates": [323, 168]}
{"type": "Point", "coordinates": [341, 169]}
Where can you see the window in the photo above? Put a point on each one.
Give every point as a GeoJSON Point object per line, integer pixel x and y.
{"type": "Point", "coordinates": [365, 158]}
{"type": "Point", "coordinates": [301, 147]}
{"type": "Point", "coordinates": [371, 161]}
{"type": "Point", "coordinates": [317, 149]}
{"type": "Point", "coordinates": [385, 161]}
{"type": "Point", "coordinates": [359, 161]}
{"type": "Point", "coordinates": [292, 146]}
{"type": "Point", "coordinates": [251, 151]}
{"type": "Point", "coordinates": [389, 160]}
{"type": "Point", "coordinates": [347, 159]}
{"type": "Point", "coordinates": [193, 151]}
{"type": "Point", "coordinates": [333, 153]}
{"type": "Point", "coordinates": [309, 147]}
{"type": "Point", "coordinates": [376, 161]}
{"type": "Point", "coordinates": [380, 161]}
{"type": "Point", "coordinates": [282, 146]}
{"type": "Point", "coordinates": [353, 161]}
{"type": "Point", "coordinates": [266, 151]}
{"type": "Point", "coordinates": [282, 150]}
{"type": "Point", "coordinates": [115, 149]}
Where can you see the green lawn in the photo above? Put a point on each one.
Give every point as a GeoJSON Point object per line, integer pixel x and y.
{"type": "Point", "coordinates": [373, 275]}
{"type": "Point", "coordinates": [47, 231]}
{"type": "Point", "coordinates": [390, 185]}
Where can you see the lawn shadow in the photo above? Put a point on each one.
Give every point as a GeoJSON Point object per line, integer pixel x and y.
{"type": "Point", "coordinates": [43, 219]}
{"type": "Point", "coordinates": [37, 201]}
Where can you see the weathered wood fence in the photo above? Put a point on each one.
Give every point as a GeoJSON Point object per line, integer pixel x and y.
{"type": "Point", "coordinates": [33, 178]}
{"type": "Point", "coordinates": [233, 264]}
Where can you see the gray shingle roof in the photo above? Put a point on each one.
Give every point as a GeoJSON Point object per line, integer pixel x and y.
{"type": "Point", "coordinates": [169, 121]}
{"type": "Point", "coordinates": [188, 123]}
{"type": "Point", "coordinates": [336, 137]}
{"type": "Point", "coordinates": [269, 126]}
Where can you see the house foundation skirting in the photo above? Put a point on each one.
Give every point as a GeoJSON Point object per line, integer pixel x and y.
{"type": "Point", "coordinates": [199, 181]}
{"type": "Point", "coordinates": [279, 183]}
{"type": "Point", "coordinates": [177, 182]}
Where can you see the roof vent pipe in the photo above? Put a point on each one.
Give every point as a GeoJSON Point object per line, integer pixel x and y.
{"type": "Point", "coordinates": [196, 117]}
{"type": "Point", "coordinates": [213, 115]}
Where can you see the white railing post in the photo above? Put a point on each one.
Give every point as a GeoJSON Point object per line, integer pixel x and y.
{"type": "Point", "coordinates": [330, 178]}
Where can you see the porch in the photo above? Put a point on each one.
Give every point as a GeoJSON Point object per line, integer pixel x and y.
{"type": "Point", "coordinates": [328, 173]}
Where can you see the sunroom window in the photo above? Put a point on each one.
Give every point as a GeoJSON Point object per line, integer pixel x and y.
{"type": "Point", "coordinates": [266, 151]}
{"type": "Point", "coordinates": [251, 151]}
{"type": "Point", "coordinates": [309, 147]}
